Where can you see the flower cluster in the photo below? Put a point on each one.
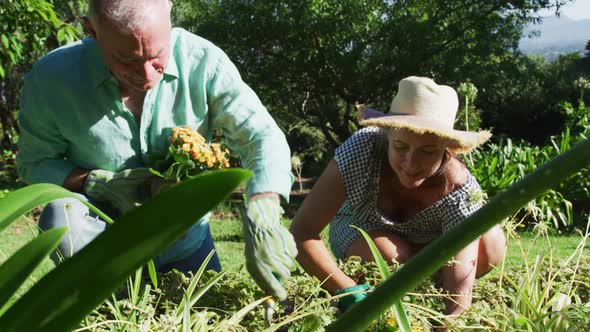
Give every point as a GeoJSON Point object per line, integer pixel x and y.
{"type": "Point", "coordinates": [205, 156]}
{"type": "Point", "coordinates": [188, 155]}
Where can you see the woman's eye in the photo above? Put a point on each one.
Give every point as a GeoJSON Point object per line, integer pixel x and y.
{"type": "Point", "coordinates": [428, 151]}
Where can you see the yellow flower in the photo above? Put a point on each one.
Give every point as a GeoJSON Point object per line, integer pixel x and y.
{"type": "Point", "coordinates": [391, 321]}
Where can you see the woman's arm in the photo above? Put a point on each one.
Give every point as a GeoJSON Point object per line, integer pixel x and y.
{"type": "Point", "coordinates": [458, 279]}
{"type": "Point", "coordinates": [316, 212]}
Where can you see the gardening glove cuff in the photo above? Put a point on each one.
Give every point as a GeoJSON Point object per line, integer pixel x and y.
{"type": "Point", "coordinates": [360, 292]}
{"type": "Point", "coordinates": [270, 247]}
{"type": "Point", "coordinates": [122, 190]}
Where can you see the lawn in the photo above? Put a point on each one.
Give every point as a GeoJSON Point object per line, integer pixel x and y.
{"type": "Point", "coordinates": [230, 246]}
{"type": "Point", "coordinates": [227, 232]}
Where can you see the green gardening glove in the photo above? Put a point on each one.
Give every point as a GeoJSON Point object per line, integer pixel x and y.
{"type": "Point", "coordinates": [270, 247]}
{"type": "Point", "coordinates": [345, 302]}
{"type": "Point", "coordinates": [123, 190]}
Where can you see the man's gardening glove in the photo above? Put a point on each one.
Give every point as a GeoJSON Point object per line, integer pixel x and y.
{"type": "Point", "coordinates": [360, 292]}
{"type": "Point", "coordinates": [123, 190]}
{"type": "Point", "coordinates": [270, 247]}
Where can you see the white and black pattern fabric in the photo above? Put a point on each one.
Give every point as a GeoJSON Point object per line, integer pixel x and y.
{"type": "Point", "coordinates": [359, 160]}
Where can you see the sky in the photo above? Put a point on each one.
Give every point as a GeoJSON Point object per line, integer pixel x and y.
{"type": "Point", "coordinates": [577, 10]}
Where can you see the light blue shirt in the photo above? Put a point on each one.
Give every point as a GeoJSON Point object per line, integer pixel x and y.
{"type": "Point", "coordinates": [72, 116]}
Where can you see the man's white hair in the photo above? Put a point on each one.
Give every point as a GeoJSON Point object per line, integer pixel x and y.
{"type": "Point", "coordinates": [127, 15]}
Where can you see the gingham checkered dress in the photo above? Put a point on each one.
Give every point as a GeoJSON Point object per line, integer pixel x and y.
{"type": "Point", "coordinates": [359, 160]}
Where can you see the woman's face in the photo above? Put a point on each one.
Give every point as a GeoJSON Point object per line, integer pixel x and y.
{"type": "Point", "coordinates": [414, 157]}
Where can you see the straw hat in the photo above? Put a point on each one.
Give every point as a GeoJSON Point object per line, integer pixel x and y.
{"type": "Point", "coordinates": [423, 106]}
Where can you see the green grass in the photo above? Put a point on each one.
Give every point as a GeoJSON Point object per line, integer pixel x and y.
{"type": "Point", "coordinates": [229, 243]}
{"type": "Point", "coordinates": [13, 238]}
{"type": "Point", "coordinates": [227, 233]}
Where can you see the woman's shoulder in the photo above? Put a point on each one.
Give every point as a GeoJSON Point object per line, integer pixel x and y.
{"type": "Point", "coordinates": [367, 134]}
{"type": "Point", "coordinates": [457, 174]}
{"type": "Point", "coordinates": [362, 142]}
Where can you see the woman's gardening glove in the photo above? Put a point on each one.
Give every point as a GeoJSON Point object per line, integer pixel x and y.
{"type": "Point", "coordinates": [270, 247]}
{"type": "Point", "coordinates": [360, 292]}
{"type": "Point", "coordinates": [123, 191]}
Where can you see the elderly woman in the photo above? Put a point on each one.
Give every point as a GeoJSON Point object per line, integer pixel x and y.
{"type": "Point", "coordinates": [401, 181]}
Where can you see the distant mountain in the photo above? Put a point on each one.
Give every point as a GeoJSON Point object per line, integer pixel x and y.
{"type": "Point", "coordinates": [557, 36]}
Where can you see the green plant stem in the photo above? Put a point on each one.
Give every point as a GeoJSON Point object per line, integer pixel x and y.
{"type": "Point", "coordinates": [433, 256]}
{"type": "Point", "coordinates": [466, 113]}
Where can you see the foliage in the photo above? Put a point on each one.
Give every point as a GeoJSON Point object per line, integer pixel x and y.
{"type": "Point", "coordinates": [498, 165]}
{"type": "Point", "coordinates": [8, 174]}
{"type": "Point", "coordinates": [59, 300]}
{"type": "Point", "coordinates": [28, 29]}
{"type": "Point", "coordinates": [24, 30]}
{"type": "Point", "coordinates": [497, 303]}
{"type": "Point", "coordinates": [467, 116]}
{"type": "Point", "coordinates": [311, 61]}
{"type": "Point", "coordinates": [529, 89]}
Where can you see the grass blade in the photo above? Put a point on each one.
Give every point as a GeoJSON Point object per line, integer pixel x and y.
{"type": "Point", "coordinates": [60, 300]}
{"type": "Point", "coordinates": [152, 273]}
{"type": "Point", "coordinates": [400, 313]}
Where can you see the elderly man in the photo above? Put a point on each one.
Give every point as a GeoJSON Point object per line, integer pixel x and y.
{"type": "Point", "coordinates": [93, 111]}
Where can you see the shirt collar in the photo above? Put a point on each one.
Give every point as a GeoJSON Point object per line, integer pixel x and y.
{"type": "Point", "coordinates": [171, 71]}
{"type": "Point", "coordinates": [97, 70]}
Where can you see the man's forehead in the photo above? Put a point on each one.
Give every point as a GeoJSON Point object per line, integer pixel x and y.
{"type": "Point", "coordinates": [139, 54]}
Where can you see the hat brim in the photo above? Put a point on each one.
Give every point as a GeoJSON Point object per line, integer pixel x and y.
{"type": "Point", "coordinates": [459, 141]}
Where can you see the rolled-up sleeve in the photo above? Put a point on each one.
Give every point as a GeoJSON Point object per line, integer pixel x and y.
{"type": "Point", "coordinates": [249, 128]}
{"type": "Point", "coordinates": [41, 147]}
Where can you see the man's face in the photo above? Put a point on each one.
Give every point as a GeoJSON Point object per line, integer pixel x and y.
{"type": "Point", "coordinates": [137, 58]}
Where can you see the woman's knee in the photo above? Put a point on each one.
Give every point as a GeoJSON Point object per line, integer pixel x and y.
{"type": "Point", "coordinates": [492, 250]}
{"type": "Point", "coordinates": [390, 245]}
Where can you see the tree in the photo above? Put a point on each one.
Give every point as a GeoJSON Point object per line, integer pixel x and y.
{"type": "Point", "coordinates": [311, 61]}
{"type": "Point", "coordinates": [28, 29]}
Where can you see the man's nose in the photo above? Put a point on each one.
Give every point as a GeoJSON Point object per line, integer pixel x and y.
{"type": "Point", "coordinates": [148, 71]}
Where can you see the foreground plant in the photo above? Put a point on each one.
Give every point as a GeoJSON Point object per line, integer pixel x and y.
{"type": "Point", "coordinates": [60, 300]}
{"type": "Point", "coordinates": [433, 256]}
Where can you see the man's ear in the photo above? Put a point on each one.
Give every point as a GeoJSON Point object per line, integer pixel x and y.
{"type": "Point", "coordinates": [88, 27]}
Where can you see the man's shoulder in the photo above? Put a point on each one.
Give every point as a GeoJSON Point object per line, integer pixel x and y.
{"type": "Point", "coordinates": [65, 59]}
{"type": "Point", "coordinates": [188, 45]}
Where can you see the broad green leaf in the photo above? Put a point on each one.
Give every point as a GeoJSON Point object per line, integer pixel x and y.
{"type": "Point", "coordinates": [18, 202]}
{"type": "Point", "coordinates": [22, 263]}
{"type": "Point", "coordinates": [74, 288]}
{"type": "Point", "coordinates": [434, 255]}
{"type": "Point", "coordinates": [21, 201]}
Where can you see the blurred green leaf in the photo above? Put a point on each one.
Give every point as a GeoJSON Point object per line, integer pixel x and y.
{"type": "Point", "coordinates": [21, 264]}
{"type": "Point", "coordinates": [21, 201]}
